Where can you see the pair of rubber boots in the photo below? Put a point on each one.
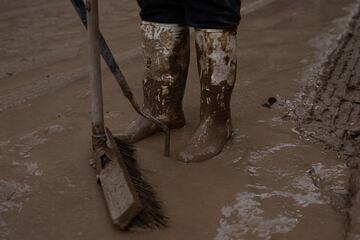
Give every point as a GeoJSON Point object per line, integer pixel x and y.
{"type": "Point", "coordinates": [166, 51]}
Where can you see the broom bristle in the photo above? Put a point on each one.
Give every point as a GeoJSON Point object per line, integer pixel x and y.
{"type": "Point", "coordinates": [152, 215]}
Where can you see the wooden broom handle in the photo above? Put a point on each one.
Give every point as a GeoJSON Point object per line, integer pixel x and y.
{"type": "Point", "coordinates": [97, 112]}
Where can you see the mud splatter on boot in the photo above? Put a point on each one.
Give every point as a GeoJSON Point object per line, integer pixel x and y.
{"type": "Point", "coordinates": [166, 57]}
{"type": "Point", "coordinates": [216, 57]}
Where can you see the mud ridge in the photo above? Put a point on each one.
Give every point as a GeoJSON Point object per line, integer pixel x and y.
{"type": "Point", "coordinates": [329, 111]}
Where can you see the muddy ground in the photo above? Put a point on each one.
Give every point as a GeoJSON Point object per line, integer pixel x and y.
{"type": "Point", "coordinates": [263, 186]}
{"type": "Point", "coordinates": [328, 110]}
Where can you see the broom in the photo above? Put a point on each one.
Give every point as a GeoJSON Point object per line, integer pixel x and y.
{"type": "Point", "coordinates": [131, 201]}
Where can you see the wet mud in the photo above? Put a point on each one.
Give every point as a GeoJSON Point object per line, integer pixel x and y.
{"type": "Point", "coordinates": [329, 112]}
{"type": "Point", "coordinates": [268, 183]}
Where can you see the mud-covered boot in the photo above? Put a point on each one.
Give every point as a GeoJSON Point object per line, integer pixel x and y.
{"type": "Point", "coordinates": [166, 56]}
{"type": "Point", "coordinates": [216, 57]}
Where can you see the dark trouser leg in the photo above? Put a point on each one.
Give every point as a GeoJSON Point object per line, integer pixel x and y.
{"type": "Point", "coordinates": [212, 14]}
{"type": "Point", "coordinates": [205, 14]}
{"type": "Point", "coordinates": [162, 11]}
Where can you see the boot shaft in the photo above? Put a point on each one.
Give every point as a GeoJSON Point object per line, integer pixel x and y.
{"type": "Point", "coordinates": [217, 65]}
{"type": "Point", "coordinates": [166, 57]}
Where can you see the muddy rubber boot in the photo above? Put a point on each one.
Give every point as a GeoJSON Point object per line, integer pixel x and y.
{"type": "Point", "coordinates": [216, 57]}
{"type": "Point", "coordinates": [166, 56]}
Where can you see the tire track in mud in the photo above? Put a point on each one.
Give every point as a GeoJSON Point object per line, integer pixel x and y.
{"type": "Point", "coordinates": [58, 81]}
{"type": "Point", "coordinates": [329, 111]}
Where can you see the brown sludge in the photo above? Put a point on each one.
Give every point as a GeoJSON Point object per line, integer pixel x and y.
{"type": "Point", "coordinates": [331, 114]}
{"type": "Point", "coordinates": [268, 183]}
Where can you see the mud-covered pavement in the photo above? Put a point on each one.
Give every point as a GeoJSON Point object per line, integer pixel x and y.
{"type": "Point", "coordinates": [328, 110]}
{"type": "Point", "coordinates": [263, 186]}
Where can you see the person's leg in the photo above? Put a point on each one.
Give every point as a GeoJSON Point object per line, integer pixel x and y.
{"type": "Point", "coordinates": [162, 11]}
{"type": "Point", "coordinates": [165, 45]}
{"type": "Point", "coordinates": [212, 14]}
{"type": "Point", "coordinates": [215, 41]}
